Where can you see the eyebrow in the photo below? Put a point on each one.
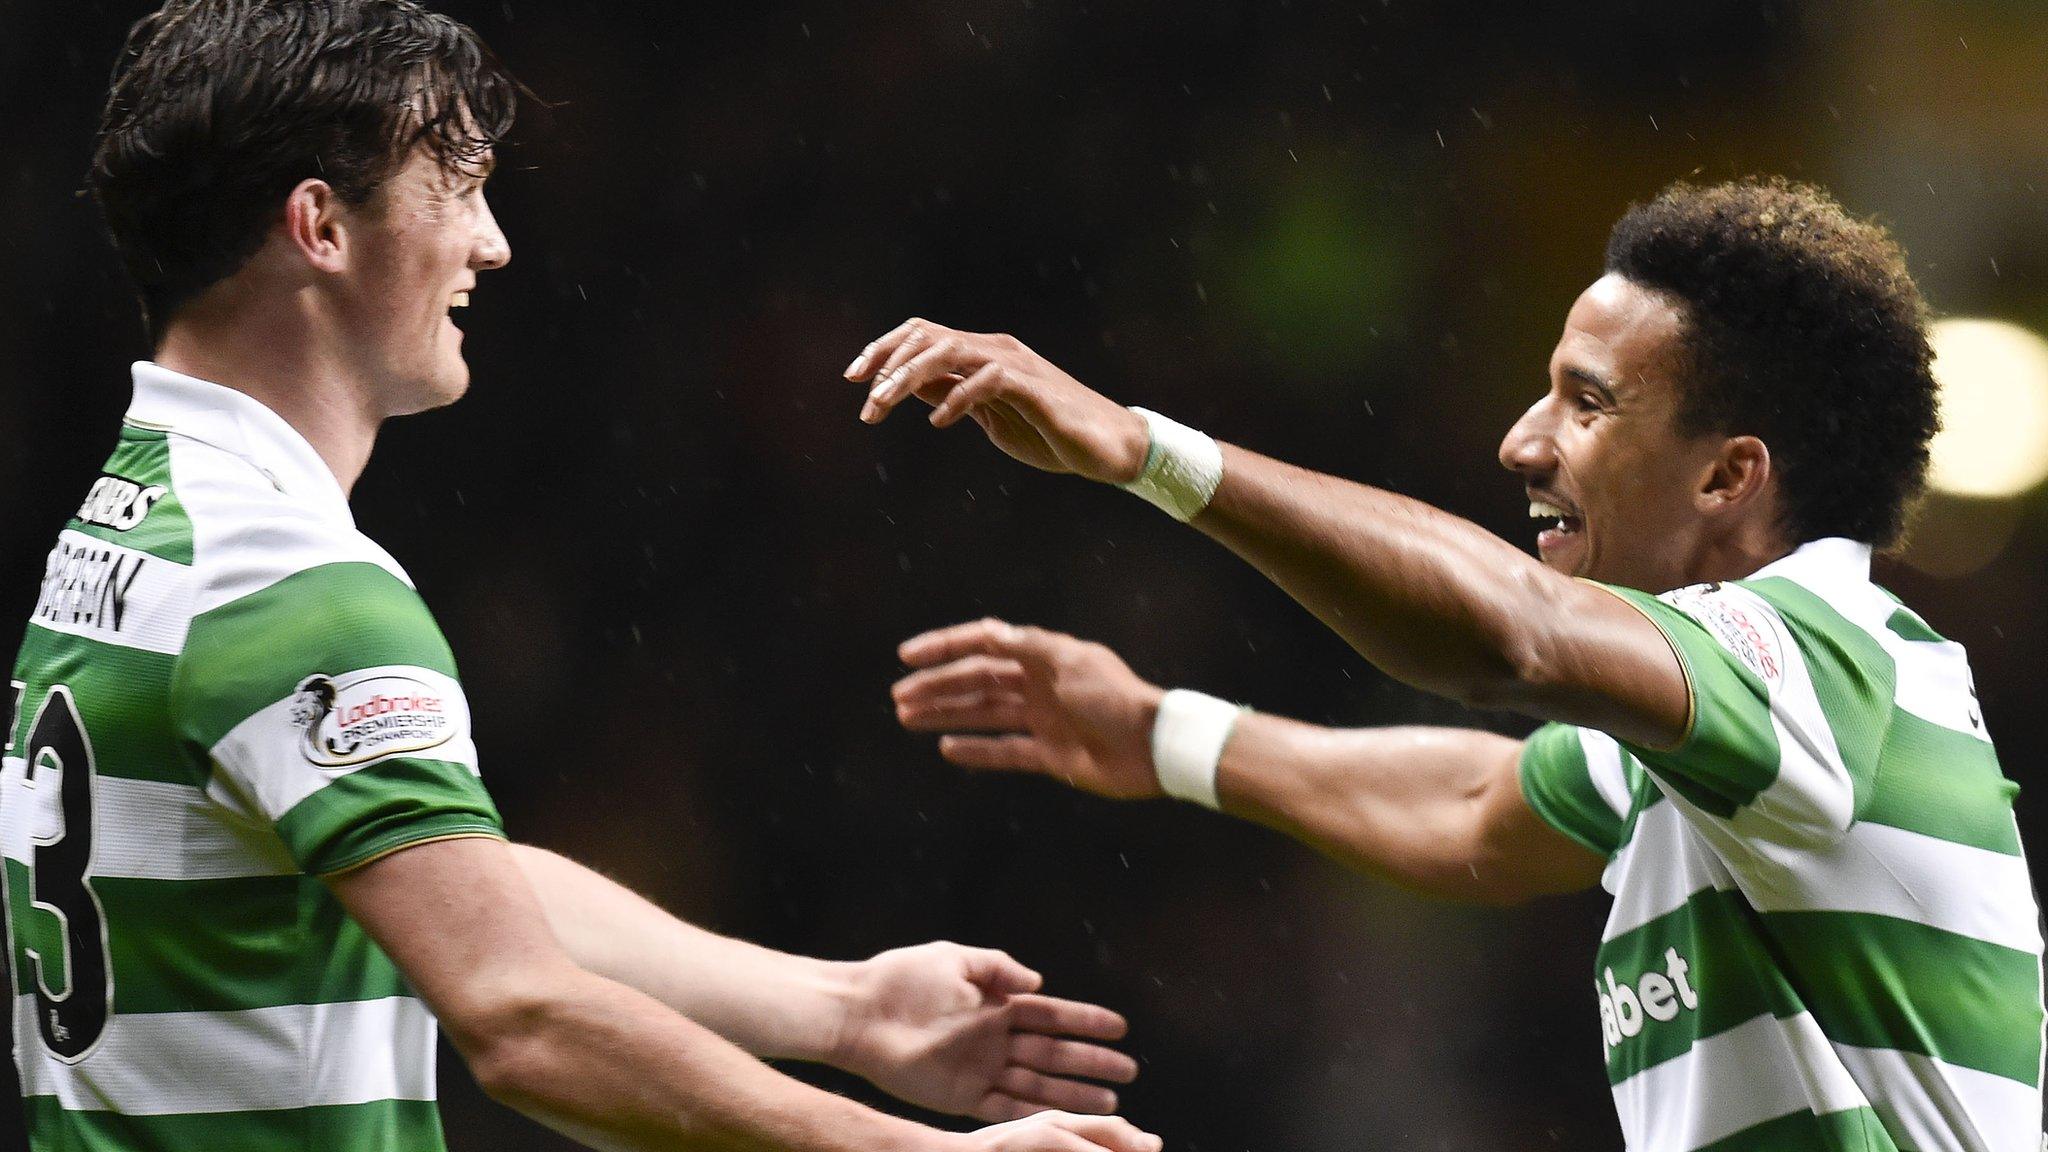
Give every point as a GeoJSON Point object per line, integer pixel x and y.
{"type": "Point", "coordinates": [1605, 389]}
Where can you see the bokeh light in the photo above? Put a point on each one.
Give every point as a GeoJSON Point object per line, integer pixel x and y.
{"type": "Point", "coordinates": [1994, 408]}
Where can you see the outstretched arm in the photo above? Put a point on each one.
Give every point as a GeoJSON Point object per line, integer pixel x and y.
{"type": "Point", "coordinates": [604, 1063]}
{"type": "Point", "coordinates": [949, 1028]}
{"type": "Point", "coordinates": [1436, 810]}
{"type": "Point", "coordinates": [1433, 599]}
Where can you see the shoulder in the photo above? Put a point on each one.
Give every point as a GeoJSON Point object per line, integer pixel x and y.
{"type": "Point", "coordinates": [247, 535]}
{"type": "Point", "coordinates": [281, 594]}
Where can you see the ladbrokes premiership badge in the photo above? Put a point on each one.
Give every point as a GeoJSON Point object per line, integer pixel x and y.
{"type": "Point", "coordinates": [348, 720]}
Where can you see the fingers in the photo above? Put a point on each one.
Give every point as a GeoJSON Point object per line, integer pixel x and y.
{"type": "Point", "coordinates": [979, 712]}
{"type": "Point", "coordinates": [926, 368]}
{"type": "Point", "coordinates": [1112, 1132]}
{"type": "Point", "coordinates": [882, 348]}
{"type": "Point", "coordinates": [999, 972]}
{"type": "Point", "coordinates": [993, 753]}
{"type": "Point", "coordinates": [1034, 1088]}
{"type": "Point", "coordinates": [1056, 1057]}
{"type": "Point", "coordinates": [993, 675]}
{"type": "Point", "coordinates": [984, 384]}
{"type": "Point", "coordinates": [1060, 1130]}
{"type": "Point", "coordinates": [988, 636]}
{"type": "Point", "coordinates": [1054, 1016]}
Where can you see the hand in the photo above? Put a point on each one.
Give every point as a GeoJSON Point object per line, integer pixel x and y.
{"type": "Point", "coordinates": [1060, 1132]}
{"type": "Point", "coordinates": [1061, 707]}
{"type": "Point", "coordinates": [961, 1030]}
{"type": "Point", "coordinates": [1029, 408]}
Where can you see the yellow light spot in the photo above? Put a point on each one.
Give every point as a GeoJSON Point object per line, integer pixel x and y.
{"type": "Point", "coordinates": [1994, 408]}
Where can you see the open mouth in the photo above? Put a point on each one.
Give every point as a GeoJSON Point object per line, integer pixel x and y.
{"type": "Point", "coordinates": [1563, 530]}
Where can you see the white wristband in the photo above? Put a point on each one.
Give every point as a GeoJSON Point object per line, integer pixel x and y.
{"type": "Point", "coordinates": [1182, 468]}
{"type": "Point", "coordinates": [1187, 744]}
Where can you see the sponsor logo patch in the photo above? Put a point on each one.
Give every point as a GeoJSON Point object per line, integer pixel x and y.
{"type": "Point", "coordinates": [119, 504]}
{"type": "Point", "coordinates": [348, 720]}
{"type": "Point", "coordinates": [1753, 634]}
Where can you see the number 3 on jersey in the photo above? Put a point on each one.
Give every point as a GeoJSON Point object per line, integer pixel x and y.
{"type": "Point", "coordinates": [74, 989]}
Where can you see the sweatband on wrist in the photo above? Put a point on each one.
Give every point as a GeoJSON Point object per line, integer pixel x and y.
{"type": "Point", "coordinates": [1187, 744]}
{"type": "Point", "coordinates": [1182, 468]}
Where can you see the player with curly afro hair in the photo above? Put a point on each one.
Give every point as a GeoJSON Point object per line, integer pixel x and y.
{"type": "Point", "coordinates": [1823, 933]}
{"type": "Point", "coordinates": [1802, 327]}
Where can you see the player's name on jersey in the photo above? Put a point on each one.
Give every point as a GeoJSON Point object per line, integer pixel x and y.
{"type": "Point", "coordinates": [87, 583]}
{"type": "Point", "coordinates": [119, 503]}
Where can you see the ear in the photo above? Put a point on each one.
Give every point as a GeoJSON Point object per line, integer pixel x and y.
{"type": "Point", "coordinates": [314, 225]}
{"type": "Point", "coordinates": [1737, 476]}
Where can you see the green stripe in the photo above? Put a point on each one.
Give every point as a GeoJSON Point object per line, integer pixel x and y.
{"type": "Point", "coordinates": [1731, 754]}
{"type": "Point", "coordinates": [1881, 982]}
{"type": "Point", "coordinates": [1853, 676]}
{"type": "Point", "coordinates": [253, 652]}
{"type": "Point", "coordinates": [1734, 976]}
{"type": "Point", "coordinates": [1850, 1130]}
{"type": "Point", "coordinates": [120, 694]}
{"type": "Point", "coordinates": [144, 457]}
{"type": "Point", "coordinates": [378, 1126]}
{"type": "Point", "coordinates": [1871, 981]}
{"type": "Point", "coordinates": [1904, 624]}
{"type": "Point", "coordinates": [1941, 783]}
{"type": "Point", "coordinates": [393, 802]}
{"type": "Point", "coordinates": [1559, 788]}
{"type": "Point", "coordinates": [217, 945]}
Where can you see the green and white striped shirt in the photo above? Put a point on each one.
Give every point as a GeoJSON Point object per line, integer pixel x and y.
{"type": "Point", "coordinates": [225, 692]}
{"type": "Point", "coordinates": [1823, 933]}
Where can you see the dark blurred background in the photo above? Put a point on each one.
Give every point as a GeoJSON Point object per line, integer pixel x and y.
{"type": "Point", "coordinates": [674, 566]}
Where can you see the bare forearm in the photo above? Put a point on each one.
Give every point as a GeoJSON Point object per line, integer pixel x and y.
{"type": "Point", "coordinates": [770, 1003]}
{"type": "Point", "coordinates": [1435, 810]}
{"type": "Point", "coordinates": [1442, 604]}
{"type": "Point", "coordinates": [1433, 599]}
{"type": "Point", "coordinates": [606, 1065]}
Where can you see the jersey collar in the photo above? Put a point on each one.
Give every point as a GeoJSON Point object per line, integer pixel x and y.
{"type": "Point", "coordinates": [240, 424]}
{"type": "Point", "coordinates": [1830, 561]}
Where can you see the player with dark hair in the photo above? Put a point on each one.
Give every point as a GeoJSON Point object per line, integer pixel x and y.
{"type": "Point", "coordinates": [249, 862]}
{"type": "Point", "coordinates": [1823, 933]}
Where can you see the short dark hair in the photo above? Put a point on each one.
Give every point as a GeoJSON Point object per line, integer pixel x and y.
{"type": "Point", "coordinates": [1802, 328]}
{"type": "Point", "coordinates": [218, 108]}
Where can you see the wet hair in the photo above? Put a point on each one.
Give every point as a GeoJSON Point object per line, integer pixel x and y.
{"type": "Point", "coordinates": [219, 108]}
{"type": "Point", "coordinates": [1802, 328]}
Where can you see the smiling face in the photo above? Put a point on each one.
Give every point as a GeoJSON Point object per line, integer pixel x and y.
{"type": "Point", "coordinates": [417, 248]}
{"type": "Point", "coordinates": [1627, 498]}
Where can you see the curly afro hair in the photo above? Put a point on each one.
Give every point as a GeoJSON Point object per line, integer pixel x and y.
{"type": "Point", "coordinates": [1802, 328]}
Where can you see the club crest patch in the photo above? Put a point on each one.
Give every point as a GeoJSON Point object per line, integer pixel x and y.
{"type": "Point", "coordinates": [1750, 631]}
{"type": "Point", "coordinates": [348, 720]}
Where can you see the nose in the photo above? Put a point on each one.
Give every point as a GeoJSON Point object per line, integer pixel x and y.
{"type": "Point", "coordinates": [1530, 448]}
{"type": "Point", "coordinates": [492, 250]}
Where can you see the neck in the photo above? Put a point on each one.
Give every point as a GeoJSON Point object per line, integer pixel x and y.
{"type": "Point", "coordinates": [1740, 554]}
{"type": "Point", "coordinates": [267, 354]}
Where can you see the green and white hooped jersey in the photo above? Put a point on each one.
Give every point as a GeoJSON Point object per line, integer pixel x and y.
{"type": "Point", "coordinates": [1823, 934]}
{"type": "Point", "coordinates": [225, 692]}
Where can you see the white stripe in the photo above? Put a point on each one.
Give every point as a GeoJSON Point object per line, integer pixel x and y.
{"type": "Point", "coordinates": [1663, 865]}
{"type": "Point", "coordinates": [248, 535]}
{"type": "Point", "coordinates": [293, 1056]}
{"type": "Point", "coordinates": [142, 829]}
{"type": "Point", "coordinates": [265, 761]}
{"type": "Point", "coordinates": [114, 594]}
{"type": "Point", "coordinates": [1758, 1070]}
{"type": "Point", "coordinates": [1892, 872]}
{"type": "Point", "coordinates": [1932, 1106]}
{"type": "Point", "coordinates": [1603, 765]}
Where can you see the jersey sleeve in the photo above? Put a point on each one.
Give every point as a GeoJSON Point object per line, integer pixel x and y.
{"type": "Point", "coordinates": [1573, 778]}
{"type": "Point", "coordinates": [1760, 751]}
{"type": "Point", "coordinates": [328, 706]}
